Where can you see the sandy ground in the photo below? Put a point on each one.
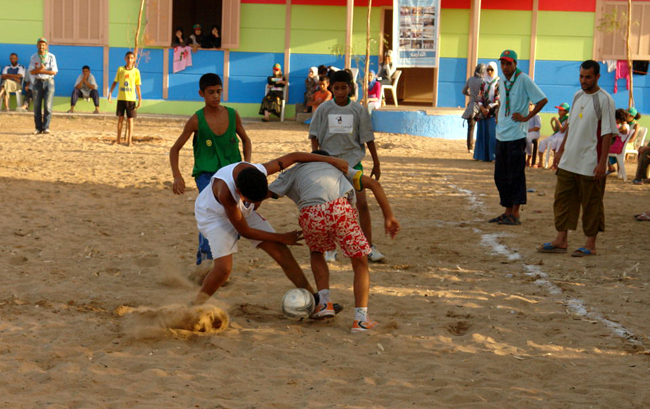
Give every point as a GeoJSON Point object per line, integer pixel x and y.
{"type": "Point", "coordinates": [95, 252]}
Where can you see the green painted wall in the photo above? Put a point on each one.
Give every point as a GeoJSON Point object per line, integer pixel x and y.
{"type": "Point", "coordinates": [21, 22]}
{"type": "Point", "coordinates": [122, 22]}
{"type": "Point", "coordinates": [454, 33]}
{"type": "Point", "coordinates": [262, 28]}
{"type": "Point", "coordinates": [558, 32]}
{"type": "Point", "coordinates": [504, 29]}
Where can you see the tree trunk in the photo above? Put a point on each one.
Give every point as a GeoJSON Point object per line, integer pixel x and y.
{"type": "Point", "coordinates": [137, 31]}
{"type": "Point", "coordinates": [629, 52]}
{"type": "Point", "coordinates": [366, 69]}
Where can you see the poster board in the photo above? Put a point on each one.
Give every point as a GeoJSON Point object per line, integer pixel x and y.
{"type": "Point", "coordinates": [416, 33]}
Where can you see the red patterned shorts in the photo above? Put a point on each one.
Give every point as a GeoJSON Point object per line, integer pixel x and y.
{"type": "Point", "coordinates": [334, 222]}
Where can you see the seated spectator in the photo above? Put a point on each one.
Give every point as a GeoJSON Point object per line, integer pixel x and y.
{"type": "Point", "coordinates": [196, 38]}
{"type": "Point", "coordinates": [560, 126]}
{"type": "Point", "coordinates": [178, 40]}
{"type": "Point", "coordinates": [354, 87]}
{"type": "Point", "coordinates": [311, 86]}
{"type": "Point", "coordinates": [29, 95]}
{"type": "Point", "coordinates": [85, 87]}
{"type": "Point", "coordinates": [321, 95]}
{"type": "Point", "coordinates": [212, 40]}
{"type": "Point", "coordinates": [643, 162]}
{"type": "Point", "coordinates": [534, 125]}
{"type": "Point", "coordinates": [618, 141]}
{"type": "Point", "coordinates": [12, 79]}
{"type": "Point", "coordinates": [632, 118]}
{"type": "Point", "coordinates": [374, 92]}
{"type": "Point", "coordinates": [387, 69]}
{"type": "Point", "coordinates": [272, 102]}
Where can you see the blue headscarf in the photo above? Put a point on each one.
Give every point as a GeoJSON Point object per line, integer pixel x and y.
{"type": "Point", "coordinates": [372, 83]}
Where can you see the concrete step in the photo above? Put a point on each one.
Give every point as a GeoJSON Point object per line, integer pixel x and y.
{"type": "Point", "coordinates": [302, 117]}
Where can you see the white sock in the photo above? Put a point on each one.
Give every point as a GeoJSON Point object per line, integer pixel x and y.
{"type": "Point", "coordinates": [324, 296]}
{"type": "Point", "coordinates": [361, 314]}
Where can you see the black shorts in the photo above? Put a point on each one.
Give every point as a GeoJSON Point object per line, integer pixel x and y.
{"type": "Point", "coordinates": [128, 106]}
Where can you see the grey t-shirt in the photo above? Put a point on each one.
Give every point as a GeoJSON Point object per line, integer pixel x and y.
{"type": "Point", "coordinates": [84, 89]}
{"type": "Point", "coordinates": [314, 183]}
{"type": "Point", "coordinates": [342, 131]}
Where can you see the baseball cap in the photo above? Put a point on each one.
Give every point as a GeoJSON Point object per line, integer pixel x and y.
{"type": "Point", "coordinates": [195, 26]}
{"type": "Point", "coordinates": [632, 111]}
{"type": "Point", "coordinates": [41, 40]}
{"type": "Point", "coordinates": [509, 55]}
{"type": "Point", "coordinates": [277, 67]}
{"type": "Point", "coordinates": [563, 106]}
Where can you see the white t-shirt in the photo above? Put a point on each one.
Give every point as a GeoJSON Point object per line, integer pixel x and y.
{"type": "Point", "coordinates": [580, 149]}
{"type": "Point", "coordinates": [209, 213]}
{"type": "Point", "coordinates": [534, 122]}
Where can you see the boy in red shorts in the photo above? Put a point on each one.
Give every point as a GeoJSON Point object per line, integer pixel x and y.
{"type": "Point", "coordinates": [326, 197]}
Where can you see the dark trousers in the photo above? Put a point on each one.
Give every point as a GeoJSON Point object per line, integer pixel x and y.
{"type": "Point", "coordinates": [642, 166]}
{"type": "Point", "coordinates": [471, 124]}
{"type": "Point", "coordinates": [76, 94]}
{"type": "Point", "coordinates": [510, 172]}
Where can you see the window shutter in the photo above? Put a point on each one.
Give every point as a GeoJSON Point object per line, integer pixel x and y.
{"type": "Point", "coordinates": [62, 21]}
{"type": "Point", "coordinates": [611, 46]}
{"type": "Point", "coordinates": [230, 21]}
{"type": "Point", "coordinates": [77, 21]}
{"type": "Point", "coordinates": [159, 23]}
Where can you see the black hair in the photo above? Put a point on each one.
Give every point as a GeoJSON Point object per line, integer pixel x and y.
{"type": "Point", "coordinates": [638, 116]}
{"type": "Point", "coordinates": [209, 80]}
{"type": "Point", "coordinates": [621, 115]}
{"type": "Point", "coordinates": [85, 67]}
{"type": "Point", "coordinates": [13, 54]}
{"type": "Point", "coordinates": [179, 29]}
{"type": "Point", "coordinates": [252, 184]}
{"type": "Point", "coordinates": [217, 27]}
{"type": "Point", "coordinates": [341, 76]}
{"type": "Point", "coordinates": [325, 79]}
{"type": "Point", "coordinates": [589, 64]}
{"type": "Point", "coordinates": [320, 152]}
{"type": "Point", "coordinates": [129, 52]}
{"type": "Point", "coordinates": [322, 70]}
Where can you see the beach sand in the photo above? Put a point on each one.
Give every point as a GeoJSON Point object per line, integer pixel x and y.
{"type": "Point", "coordinates": [96, 252]}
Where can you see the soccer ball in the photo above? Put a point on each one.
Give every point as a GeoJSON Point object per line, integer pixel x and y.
{"type": "Point", "coordinates": [298, 303]}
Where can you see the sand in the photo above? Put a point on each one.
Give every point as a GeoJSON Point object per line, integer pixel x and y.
{"type": "Point", "coordinates": [96, 250]}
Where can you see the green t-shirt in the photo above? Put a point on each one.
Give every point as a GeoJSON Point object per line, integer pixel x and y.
{"type": "Point", "coordinates": [211, 151]}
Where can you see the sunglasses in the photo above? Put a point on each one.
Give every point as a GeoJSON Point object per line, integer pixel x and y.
{"type": "Point", "coordinates": [490, 69]}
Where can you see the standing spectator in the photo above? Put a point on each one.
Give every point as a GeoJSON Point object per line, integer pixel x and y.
{"type": "Point", "coordinates": [311, 86]}
{"type": "Point", "coordinates": [488, 107]}
{"type": "Point", "coordinates": [212, 40]}
{"type": "Point", "coordinates": [510, 161]}
{"type": "Point", "coordinates": [534, 126]}
{"type": "Point", "coordinates": [85, 87]}
{"type": "Point", "coordinates": [472, 89]}
{"type": "Point", "coordinates": [42, 69]}
{"type": "Point", "coordinates": [272, 102]}
{"type": "Point", "coordinates": [12, 79]}
{"type": "Point", "coordinates": [583, 165]}
{"type": "Point", "coordinates": [128, 78]}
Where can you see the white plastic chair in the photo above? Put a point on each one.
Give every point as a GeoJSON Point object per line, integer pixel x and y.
{"type": "Point", "coordinates": [620, 159]}
{"type": "Point", "coordinates": [639, 141]}
{"type": "Point", "coordinates": [392, 87]}
{"type": "Point", "coordinates": [19, 94]}
{"type": "Point", "coordinates": [285, 94]}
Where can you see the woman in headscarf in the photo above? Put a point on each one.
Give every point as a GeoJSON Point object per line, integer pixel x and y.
{"type": "Point", "coordinates": [486, 138]}
{"type": "Point", "coordinates": [472, 89]}
{"type": "Point", "coordinates": [374, 92]}
{"type": "Point", "coordinates": [272, 102]}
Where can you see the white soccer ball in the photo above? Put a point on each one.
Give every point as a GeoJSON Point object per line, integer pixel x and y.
{"type": "Point", "coordinates": [298, 303]}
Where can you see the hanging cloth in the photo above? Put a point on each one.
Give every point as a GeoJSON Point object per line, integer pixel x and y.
{"type": "Point", "coordinates": [182, 58]}
{"type": "Point", "coordinates": [622, 71]}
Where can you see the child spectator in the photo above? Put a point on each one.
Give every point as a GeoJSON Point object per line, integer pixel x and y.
{"type": "Point", "coordinates": [354, 87]}
{"type": "Point", "coordinates": [212, 40]}
{"type": "Point", "coordinates": [128, 78]}
{"type": "Point", "coordinates": [196, 38]}
{"type": "Point", "coordinates": [374, 92]}
{"type": "Point", "coordinates": [560, 126]}
{"type": "Point", "coordinates": [311, 86]}
{"type": "Point", "coordinates": [178, 40]}
{"type": "Point", "coordinates": [618, 142]}
{"type": "Point", "coordinates": [632, 118]}
{"type": "Point", "coordinates": [272, 102]}
{"type": "Point", "coordinates": [326, 197]}
{"type": "Point", "coordinates": [321, 95]}
{"type": "Point", "coordinates": [215, 129]}
{"type": "Point", "coordinates": [342, 128]}
{"type": "Point", "coordinates": [226, 211]}
{"type": "Point", "coordinates": [534, 125]}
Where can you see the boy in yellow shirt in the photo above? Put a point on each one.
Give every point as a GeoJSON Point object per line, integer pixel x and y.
{"type": "Point", "coordinates": [129, 79]}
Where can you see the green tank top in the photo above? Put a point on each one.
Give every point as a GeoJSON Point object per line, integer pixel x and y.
{"type": "Point", "coordinates": [211, 151]}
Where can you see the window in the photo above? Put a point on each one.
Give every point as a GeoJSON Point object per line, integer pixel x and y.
{"type": "Point", "coordinates": [77, 22]}
{"type": "Point", "coordinates": [611, 45]}
{"type": "Point", "coordinates": [163, 16]}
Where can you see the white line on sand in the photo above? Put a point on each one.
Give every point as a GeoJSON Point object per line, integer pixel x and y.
{"type": "Point", "coordinates": [574, 305]}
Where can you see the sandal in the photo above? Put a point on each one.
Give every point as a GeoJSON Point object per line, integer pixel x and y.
{"type": "Point", "coordinates": [510, 220]}
{"type": "Point", "coordinates": [583, 252]}
{"type": "Point", "coordinates": [497, 219]}
{"type": "Point", "coordinates": [550, 248]}
{"type": "Point", "coordinates": [69, 111]}
{"type": "Point", "coordinates": [643, 217]}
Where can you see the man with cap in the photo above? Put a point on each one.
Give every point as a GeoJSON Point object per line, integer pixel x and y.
{"type": "Point", "coordinates": [582, 164]}
{"type": "Point", "coordinates": [42, 69]}
{"type": "Point", "coordinates": [196, 38]}
{"type": "Point", "coordinates": [517, 90]}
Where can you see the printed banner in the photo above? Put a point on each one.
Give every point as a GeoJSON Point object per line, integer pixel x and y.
{"type": "Point", "coordinates": [416, 33]}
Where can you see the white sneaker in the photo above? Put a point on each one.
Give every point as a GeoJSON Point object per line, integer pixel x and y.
{"type": "Point", "coordinates": [330, 256]}
{"type": "Point", "coordinates": [36, 132]}
{"type": "Point", "coordinates": [375, 255]}
{"type": "Point", "coordinates": [47, 132]}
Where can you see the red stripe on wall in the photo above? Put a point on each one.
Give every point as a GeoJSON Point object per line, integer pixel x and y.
{"type": "Point", "coordinates": [456, 4]}
{"type": "Point", "coordinates": [507, 5]}
{"type": "Point", "coordinates": [568, 5]}
{"type": "Point", "coordinates": [359, 3]}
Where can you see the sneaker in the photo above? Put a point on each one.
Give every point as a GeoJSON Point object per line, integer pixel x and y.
{"type": "Point", "coordinates": [330, 256]}
{"type": "Point", "coordinates": [362, 326]}
{"type": "Point", "coordinates": [637, 182]}
{"type": "Point", "coordinates": [325, 310]}
{"type": "Point", "coordinates": [375, 255]}
{"type": "Point", "coordinates": [47, 132]}
{"type": "Point", "coordinates": [36, 132]}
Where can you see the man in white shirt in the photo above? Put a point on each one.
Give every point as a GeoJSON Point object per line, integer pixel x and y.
{"type": "Point", "coordinates": [85, 87]}
{"type": "Point", "coordinates": [583, 164]}
{"type": "Point", "coordinates": [42, 69]}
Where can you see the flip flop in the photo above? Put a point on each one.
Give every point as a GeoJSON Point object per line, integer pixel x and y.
{"type": "Point", "coordinates": [643, 217]}
{"type": "Point", "coordinates": [509, 220]}
{"type": "Point", "coordinates": [583, 252]}
{"type": "Point", "coordinates": [550, 248]}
